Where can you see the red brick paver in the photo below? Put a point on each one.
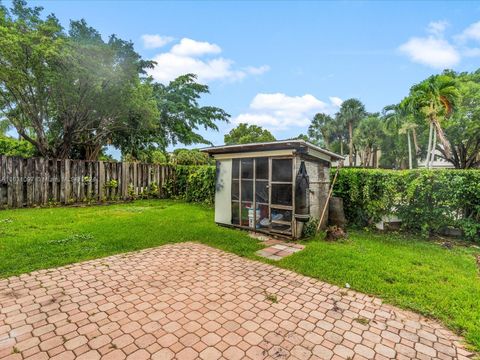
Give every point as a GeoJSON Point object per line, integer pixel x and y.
{"type": "Point", "coordinates": [189, 301]}
{"type": "Point", "coordinates": [278, 251]}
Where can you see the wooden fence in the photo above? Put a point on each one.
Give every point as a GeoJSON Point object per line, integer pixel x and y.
{"type": "Point", "coordinates": [40, 181]}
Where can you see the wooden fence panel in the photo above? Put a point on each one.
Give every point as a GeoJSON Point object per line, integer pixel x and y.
{"type": "Point", "coordinates": [40, 181]}
{"type": "Point", "coordinates": [10, 181]}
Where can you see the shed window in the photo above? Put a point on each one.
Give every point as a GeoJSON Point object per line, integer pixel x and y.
{"type": "Point", "coordinates": [261, 168]}
{"type": "Point", "coordinates": [235, 169]}
{"type": "Point", "coordinates": [247, 190]}
{"type": "Point", "coordinates": [282, 170]}
{"type": "Point", "coordinates": [282, 194]}
{"type": "Point", "coordinates": [235, 213]}
{"type": "Point", "coordinates": [247, 168]}
{"type": "Point", "coordinates": [235, 190]}
{"type": "Point", "coordinates": [261, 191]}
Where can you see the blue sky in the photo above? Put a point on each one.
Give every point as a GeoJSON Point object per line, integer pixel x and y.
{"type": "Point", "coordinates": [278, 63]}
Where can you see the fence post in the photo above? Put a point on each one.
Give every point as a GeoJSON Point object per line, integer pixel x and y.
{"type": "Point", "coordinates": [124, 181]}
{"type": "Point", "coordinates": [135, 177]}
{"type": "Point", "coordinates": [66, 181]}
{"type": "Point", "coordinates": [101, 180]}
{"type": "Point", "coordinates": [29, 178]}
{"type": "Point", "coordinates": [3, 176]}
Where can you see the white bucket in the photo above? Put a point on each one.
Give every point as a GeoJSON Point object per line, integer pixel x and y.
{"type": "Point", "coordinates": [251, 220]}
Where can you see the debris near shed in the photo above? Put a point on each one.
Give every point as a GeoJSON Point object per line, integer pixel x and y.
{"type": "Point", "coordinates": [335, 233]}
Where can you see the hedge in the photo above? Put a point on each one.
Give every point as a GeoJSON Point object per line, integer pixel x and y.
{"type": "Point", "coordinates": [192, 183]}
{"type": "Point", "coordinates": [426, 201]}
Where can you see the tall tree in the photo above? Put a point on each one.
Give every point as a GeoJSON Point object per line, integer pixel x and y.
{"type": "Point", "coordinates": [399, 119]}
{"type": "Point", "coordinates": [30, 50]}
{"type": "Point", "coordinates": [71, 94]}
{"type": "Point", "coordinates": [351, 112]}
{"type": "Point", "coordinates": [462, 129]}
{"type": "Point", "coordinates": [435, 98]}
{"type": "Point", "coordinates": [321, 129]}
{"type": "Point", "coordinates": [100, 94]}
{"type": "Point", "coordinates": [181, 114]}
{"type": "Point", "coordinates": [407, 128]}
{"type": "Point", "coordinates": [66, 93]}
{"type": "Point", "coordinates": [178, 119]}
{"type": "Point", "coordinates": [246, 134]}
{"type": "Point", "coordinates": [368, 136]}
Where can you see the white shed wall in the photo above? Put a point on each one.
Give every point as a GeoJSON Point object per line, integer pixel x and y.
{"type": "Point", "coordinates": [223, 193]}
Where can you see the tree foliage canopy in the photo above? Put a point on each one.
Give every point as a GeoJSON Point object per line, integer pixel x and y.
{"type": "Point", "coordinates": [246, 134]}
{"type": "Point", "coordinates": [446, 106]}
{"type": "Point", "coordinates": [70, 93]}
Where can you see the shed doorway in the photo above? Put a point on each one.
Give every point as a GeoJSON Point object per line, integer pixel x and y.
{"type": "Point", "coordinates": [262, 193]}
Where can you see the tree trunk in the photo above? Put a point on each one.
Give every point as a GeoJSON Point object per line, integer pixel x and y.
{"type": "Point", "coordinates": [63, 150]}
{"type": "Point", "coordinates": [350, 143]}
{"type": "Point", "coordinates": [434, 147]}
{"type": "Point", "coordinates": [429, 147]}
{"type": "Point", "coordinates": [410, 165]}
{"type": "Point", "coordinates": [415, 141]}
{"type": "Point", "coordinates": [41, 146]}
{"type": "Point", "coordinates": [92, 152]}
{"type": "Point", "coordinates": [441, 136]}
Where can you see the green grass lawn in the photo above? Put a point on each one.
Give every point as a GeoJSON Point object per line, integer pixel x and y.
{"type": "Point", "coordinates": [404, 271]}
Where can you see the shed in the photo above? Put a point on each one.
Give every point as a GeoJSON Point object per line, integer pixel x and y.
{"type": "Point", "coordinates": [272, 187]}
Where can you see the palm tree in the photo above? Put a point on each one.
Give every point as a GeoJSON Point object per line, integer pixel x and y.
{"type": "Point", "coordinates": [351, 111]}
{"type": "Point", "coordinates": [320, 130]}
{"type": "Point", "coordinates": [368, 135]}
{"type": "Point", "coordinates": [407, 128]}
{"type": "Point", "coordinates": [435, 99]}
{"type": "Point", "coordinates": [400, 120]}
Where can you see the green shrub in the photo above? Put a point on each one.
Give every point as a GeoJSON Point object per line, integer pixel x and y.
{"type": "Point", "coordinates": [310, 228]}
{"type": "Point", "coordinates": [426, 201]}
{"type": "Point", "coordinates": [192, 183]}
{"type": "Point", "coordinates": [13, 147]}
{"type": "Point", "coordinates": [190, 157]}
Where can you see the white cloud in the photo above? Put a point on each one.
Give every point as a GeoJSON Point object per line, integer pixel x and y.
{"type": "Point", "coordinates": [189, 47]}
{"type": "Point", "coordinates": [437, 28]}
{"type": "Point", "coordinates": [257, 70]}
{"type": "Point", "coordinates": [278, 111]}
{"type": "Point", "coordinates": [151, 41]}
{"type": "Point", "coordinates": [169, 66]}
{"type": "Point", "coordinates": [198, 57]}
{"type": "Point", "coordinates": [336, 101]}
{"type": "Point", "coordinates": [264, 120]}
{"type": "Point", "coordinates": [436, 51]}
{"type": "Point", "coordinates": [431, 51]}
{"type": "Point", "coordinates": [470, 33]}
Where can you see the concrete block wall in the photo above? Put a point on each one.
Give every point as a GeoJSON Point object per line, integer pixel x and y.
{"type": "Point", "coordinates": [319, 176]}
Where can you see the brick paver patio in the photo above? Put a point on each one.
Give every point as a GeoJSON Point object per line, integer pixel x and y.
{"type": "Point", "coordinates": [189, 301]}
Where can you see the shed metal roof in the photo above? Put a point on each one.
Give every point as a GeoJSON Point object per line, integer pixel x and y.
{"type": "Point", "coordinates": [299, 145]}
